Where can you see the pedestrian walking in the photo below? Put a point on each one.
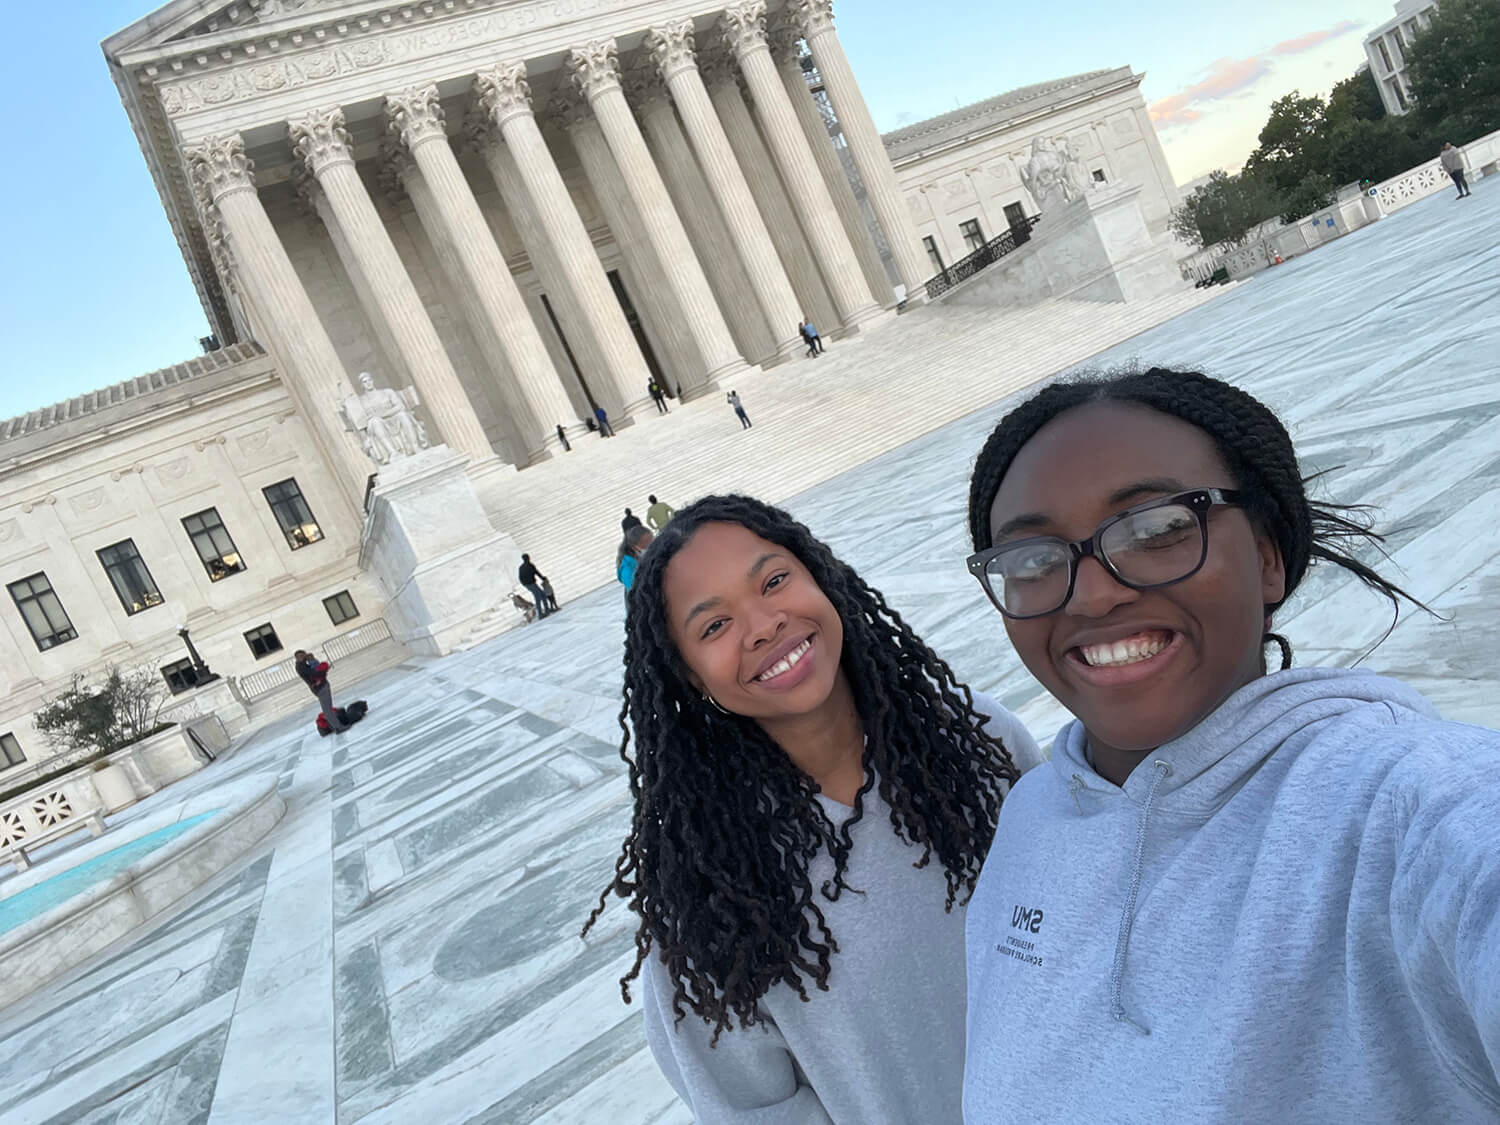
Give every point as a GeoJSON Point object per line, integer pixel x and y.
{"type": "Point", "coordinates": [812, 335]}
{"type": "Point", "coordinates": [563, 437]}
{"type": "Point", "coordinates": [627, 558]}
{"type": "Point", "coordinates": [812, 348]}
{"type": "Point", "coordinates": [630, 520]}
{"type": "Point", "coordinates": [658, 396]}
{"type": "Point", "coordinates": [314, 673]}
{"type": "Point", "coordinates": [605, 429]}
{"type": "Point", "coordinates": [536, 582]}
{"type": "Point", "coordinates": [658, 514]}
{"type": "Point", "coordinates": [1453, 162]}
{"type": "Point", "coordinates": [733, 398]}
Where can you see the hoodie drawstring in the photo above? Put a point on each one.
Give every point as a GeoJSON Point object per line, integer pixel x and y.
{"type": "Point", "coordinates": [1127, 918]}
{"type": "Point", "coordinates": [1075, 787]}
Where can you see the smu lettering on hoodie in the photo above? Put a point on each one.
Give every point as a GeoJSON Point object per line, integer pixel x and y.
{"type": "Point", "coordinates": [884, 1045]}
{"type": "Point", "coordinates": [1291, 914]}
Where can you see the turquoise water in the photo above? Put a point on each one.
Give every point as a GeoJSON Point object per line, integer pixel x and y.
{"type": "Point", "coordinates": [33, 901]}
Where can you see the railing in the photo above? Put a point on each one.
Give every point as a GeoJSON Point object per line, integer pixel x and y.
{"type": "Point", "coordinates": [988, 254]}
{"type": "Point", "coordinates": [265, 680]}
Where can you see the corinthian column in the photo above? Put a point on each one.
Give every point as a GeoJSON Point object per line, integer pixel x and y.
{"type": "Point", "coordinates": [505, 97]}
{"type": "Point", "coordinates": [223, 178]}
{"type": "Point", "coordinates": [700, 215]}
{"type": "Point", "coordinates": [320, 140]}
{"type": "Point", "coordinates": [672, 46]}
{"type": "Point", "coordinates": [720, 75]}
{"type": "Point", "coordinates": [416, 118]}
{"type": "Point", "coordinates": [815, 20]}
{"type": "Point", "coordinates": [784, 53]}
{"type": "Point", "coordinates": [744, 28]}
{"type": "Point", "coordinates": [595, 70]}
{"type": "Point", "coordinates": [674, 345]}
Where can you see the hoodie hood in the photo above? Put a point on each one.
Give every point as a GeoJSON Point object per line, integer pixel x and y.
{"type": "Point", "coordinates": [1208, 764]}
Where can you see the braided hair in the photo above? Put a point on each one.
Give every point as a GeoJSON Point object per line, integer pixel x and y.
{"type": "Point", "coordinates": [1256, 449]}
{"type": "Point", "coordinates": [716, 864]}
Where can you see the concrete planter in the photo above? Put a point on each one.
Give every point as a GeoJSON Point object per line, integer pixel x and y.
{"type": "Point", "coordinates": [115, 790]}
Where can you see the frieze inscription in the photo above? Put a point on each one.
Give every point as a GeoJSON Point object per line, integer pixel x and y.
{"type": "Point", "coordinates": [246, 82]}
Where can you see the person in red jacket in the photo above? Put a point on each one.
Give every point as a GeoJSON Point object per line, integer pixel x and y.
{"type": "Point", "coordinates": [315, 674]}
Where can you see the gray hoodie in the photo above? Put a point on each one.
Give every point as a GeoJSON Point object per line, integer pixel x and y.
{"type": "Point", "coordinates": [1291, 913]}
{"type": "Point", "coordinates": [885, 1043]}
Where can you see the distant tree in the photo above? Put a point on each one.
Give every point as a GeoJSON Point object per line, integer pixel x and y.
{"type": "Point", "coordinates": [1313, 194]}
{"type": "Point", "coordinates": [1293, 144]}
{"type": "Point", "coordinates": [1361, 149]}
{"type": "Point", "coordinates": [1356, 98]}
{"type": "Point", "coordinates": [125, 707]}
{"type": "Point", "coordinates": [1225, 209]}
{"type": "Point", "coordinates": [1454, 70]}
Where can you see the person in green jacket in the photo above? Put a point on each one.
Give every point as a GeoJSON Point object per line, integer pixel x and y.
{"type": "Point", "coordinates": [658, 514]}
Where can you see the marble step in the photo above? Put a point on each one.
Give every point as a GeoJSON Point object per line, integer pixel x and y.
{"type": "Point", "coordinates": [814, 418]}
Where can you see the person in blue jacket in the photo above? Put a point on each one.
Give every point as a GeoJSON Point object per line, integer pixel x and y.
{"type": "Point", "coordinates": [632, 547]}
{"type": "Point", "coordinates": [1232, 894]}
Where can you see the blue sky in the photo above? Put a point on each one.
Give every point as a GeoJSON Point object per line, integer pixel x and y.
{"type": "Point", "coordinates": [95, 290]}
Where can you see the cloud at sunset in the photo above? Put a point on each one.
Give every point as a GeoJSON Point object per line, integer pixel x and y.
{"type": "Point", "coordinates": [1227, 77]}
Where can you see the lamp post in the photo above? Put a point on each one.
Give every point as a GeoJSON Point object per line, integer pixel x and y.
{"type": "Point", "coordinates": [200, 670]}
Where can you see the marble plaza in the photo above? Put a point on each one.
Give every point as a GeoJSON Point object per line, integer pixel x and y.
{"type": "Point", "coordinates": [404, 946]}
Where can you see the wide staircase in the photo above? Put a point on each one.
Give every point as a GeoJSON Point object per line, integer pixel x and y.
{"type": "Point", "coordinates": [813, 419]}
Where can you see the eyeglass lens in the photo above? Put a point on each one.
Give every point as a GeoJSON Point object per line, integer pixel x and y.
{"type": "Point", "coordinates": [1148, 548]}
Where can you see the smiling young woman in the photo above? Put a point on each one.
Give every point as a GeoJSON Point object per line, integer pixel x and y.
{"type": "Point", "coordinates": [1304, 865]}
{"type": "Point", "coordinates": [814, 796]}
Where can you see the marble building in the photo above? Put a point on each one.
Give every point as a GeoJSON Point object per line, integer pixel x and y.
{"type": "Point", "coordinates": [1385, 51]}
{"type": "Point", "coordinates": [961, 171]}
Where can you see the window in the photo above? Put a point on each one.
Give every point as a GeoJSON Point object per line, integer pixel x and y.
{"type": "Point", "coordinates": [1385, 55]}
{"type": "Point", "coordinates": [969, 228]}
{"type": "Point", "coordinates": [263, 640]}
{"type": "Point", "coordinates": [212, 542]}
{"type": "Point", "coordinates": [180, 676]}
{"type": "Point", "coordinates": [42, 611]}
{"type": "Point", "coordinates": [10, 752]}
{"type": "Point", "coordinates": [293, 514]}
{"type": "Point", "coordinates": [1015, 216]}
{"type": "Point", "coordinates": [129, 576]}
{"type": "Point", "coordinates": [1396, 47]}
{"type": "Point", "coordinates": [340, 607]}
{"type": "Point", "coordinates": [933, 256]}
{"type": "Point", "coordinates": [1098, 175]}
{"type": "Point", "coordinates": [1398, 93]}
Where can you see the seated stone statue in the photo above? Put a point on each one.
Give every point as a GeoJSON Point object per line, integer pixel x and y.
{"type": "Point", "coordinates": [384, 421]}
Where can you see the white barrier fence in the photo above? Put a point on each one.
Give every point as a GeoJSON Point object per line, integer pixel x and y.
{"type": "Point", "coordinates": [1275, 241]}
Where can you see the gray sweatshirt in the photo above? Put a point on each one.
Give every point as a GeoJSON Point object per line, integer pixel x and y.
{"type": "Point", "coordinates": [1291, 914]}
{"type": "Point", "coordinates": [885, 1043]}
{"type": "Point", "coordinates": [1452, 159]}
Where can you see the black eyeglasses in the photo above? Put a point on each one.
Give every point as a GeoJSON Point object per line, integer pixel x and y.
{"type": "Point", "coordinates": [1153, 544]}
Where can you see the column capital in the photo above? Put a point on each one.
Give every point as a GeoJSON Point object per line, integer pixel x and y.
{"type": "Point", "coordinates": [645, 90]}
{"type": "Point", "coordinates": [743, 27]}
{"type": "Point", "coordinates": [783, 39]}
{"type": "Point", "coordinates": [219, 166]}
{"type": "Point", "coordinates": [395, 165]}
{"type": "Point", "coordinates": [812, 17]}
{"type": "Point", "coordinates": [673, 46]}
{"type": "Point", "coordinates": [320, 139]}
{"type": "Point", "coordinates": [415, 115]}
{"type": "Point", "coordinates": [568, 111]}
{"type": "Point", "coordinates": [717, 65]}
{"type": "Point", "coordinates": [594, 67]}
{"type": "Point", "coordinates": [503, 91]}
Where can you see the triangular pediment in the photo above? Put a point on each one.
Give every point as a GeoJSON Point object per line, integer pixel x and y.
{"type": "Point", "coordinates": [186, 20]}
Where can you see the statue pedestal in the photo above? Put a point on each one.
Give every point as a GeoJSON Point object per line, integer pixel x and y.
{"type": "Point", "coordinates": [430, 545]}
{"type": "Point", "coordinates": [1096, 248]}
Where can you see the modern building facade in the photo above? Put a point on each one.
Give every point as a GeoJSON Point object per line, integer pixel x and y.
{"type": "Point", "coordinates": [1385, 49]}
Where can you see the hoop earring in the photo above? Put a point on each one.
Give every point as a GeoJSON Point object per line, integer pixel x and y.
{"type": "Point", "coordinates": [715, 704]}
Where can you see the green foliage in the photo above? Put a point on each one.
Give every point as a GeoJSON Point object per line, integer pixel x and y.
{"type": "Point", "coordinates": [124, 708]}
{"type": "Point", "coordinates": [1454, 71]}
{"type": "Point", "coordinates": [1225, 209]}
{"type": "Point", "coordinates": [1313, 193]}
{"type": "Point", "coordinates": [1356, 98]}
{"type": "Point", "coordinates": [1293, 144]}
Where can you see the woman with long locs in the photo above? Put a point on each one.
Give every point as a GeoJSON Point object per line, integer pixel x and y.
{"type": "Point", "coordinates": [1230, 895]}
{"type": "Point", "coordinates": [814, 795]}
